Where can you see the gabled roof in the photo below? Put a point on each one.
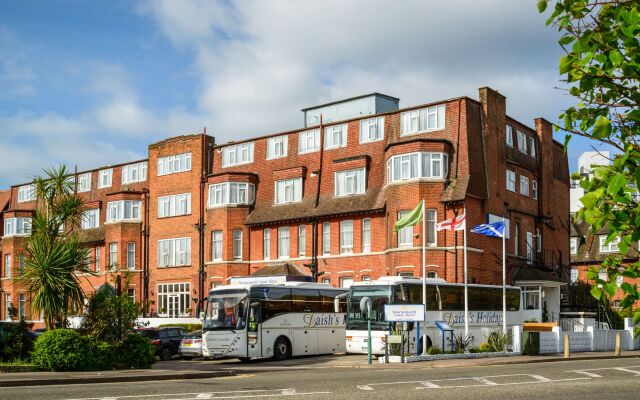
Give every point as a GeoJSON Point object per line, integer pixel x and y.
{"type": "Point", "coordinates": [279, 268]}
{"type": "Point", "coordinates": [5, 196]}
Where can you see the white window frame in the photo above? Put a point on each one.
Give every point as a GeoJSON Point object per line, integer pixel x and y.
{"type": "Point", "coordinates": [302, 240]}
{"type": "Point", "coordinates": [532, 146]}
{"type": "Point", "coordinates": [529, 247]}
{"type": "Point", "coordinates": [309, 141]}
{"type": "Point", "coordinates": [573, 246]}
{"type": "Point", "coordinates": [405, 235]}
{"type": "Point", "coordinates": [422, 120]}
{"type": "Point", "coordinates": [90, 218]}
{"type": "Point", "coordinates": [105, 178]}
{"type": "Point", "coordinates": [611, 247]}
{"type": "Point", "coordinates": [277, 147]}
{"type": "Point", "coordinates": [511, 180]}
{"type": "Point", "coordinates": [216, 245]}
{"type": "Point", "coordinates": [288, 191]}
{"type": "Point", "coordinates": [371, 130]}
{"type": "Point", "coordinates": [7, 265]}
{"type": "Point", "coordinates": [174, 164]}
{"type": "Point", "coordinates": [266, 243]}
{"type": "Point", "coordinates": [509, 136]}
{"type": "Point", "coordinates": [22, 305]}
{"type": "Point", "coordinates": [346, 237]}
{"type": "Point", "coordinates": [84, 182]}
{"type": "Point", "coordinates": [117, 211]}
{"type": "Point", "coordinates": [237, 244]}
{"type": "Point", "coordinates": [417, 165]}
{"type": "Point", "coordinates": [522, 142]}
{"type": "Point", "coordinates": [26, 193]}
{"type": "Point", "coordinates": [231, 193]}
{"type": "Point", "coordinates": [237, 154]}
{"type": "Point", "coordinates": [534, 189]}
{"type": "Point", "coordinates": [180, 293]}
{"type": "Point", "coordinates": [346, 281]}
{"type": "Point", "coordinates": [97, 261]}
{"type": "Point", "coordinates": [335, 136]}
{"type": "Point", "coordinates": [326, 238]}
{"type": "Point", "coordinates": [350, 182]}
{"type": "Point", "coordinates": [284, 242]}
{"type": "Point", "coordinates": [174, 252]}
{"type": "Point", "coordinates": [366, 235]}
{"type": "Point", "coordinates": [538, 241]}
{"type": "Point", "coordinates": [524, 185]}
{"type": "Point", "coordinates": [174, 205]}
{"type": "Point", "coordinates": [575, 275]}
{"type": "Point", "coordinates": [113, 255]}
{"type": "Point", "coordinates": [17, 226]}
{"type": "Point", "coordinates": [432, 220]}
{"type": "Point", "coordinates": [131, 256]}
{"type": "Point", "coordinates": [133, 173]}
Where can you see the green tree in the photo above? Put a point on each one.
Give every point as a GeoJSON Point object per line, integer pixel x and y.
{"type": "Point", "coordinates": [601, 69]}
{"type": "Point", "coordinates": [55, 255]}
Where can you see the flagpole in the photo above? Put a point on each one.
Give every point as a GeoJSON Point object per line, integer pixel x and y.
{"type": "Point", "coordinates": [466, 292]}
{"type": "Point", "coordinates": [424, 276]}
{"type": "Point", "coordinates": [504, 276]}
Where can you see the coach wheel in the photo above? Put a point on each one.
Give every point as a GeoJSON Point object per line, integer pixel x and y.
{"type": "Point", "coordinates": [282, 349]}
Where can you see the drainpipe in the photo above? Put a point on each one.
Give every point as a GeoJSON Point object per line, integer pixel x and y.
{"type": "Point", "coordinates": [313, 266]}
{"type": "Point", "coordinates": [145, 255]}
{"type": "Point", "coordinates": [201, 225]}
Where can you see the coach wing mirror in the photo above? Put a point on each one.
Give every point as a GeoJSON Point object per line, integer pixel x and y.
{"type": "Point", "coordinates": [336, 301]}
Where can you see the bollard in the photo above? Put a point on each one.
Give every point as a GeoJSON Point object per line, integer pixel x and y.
{"type": "Point", "coordinates": [567, 353]}
{"type": "Point", "coordinates": [386, 349]}
{"type": "Point", "coordinates": [618, 344]}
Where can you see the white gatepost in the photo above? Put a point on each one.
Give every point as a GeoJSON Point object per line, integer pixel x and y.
{"type": "Point", "coordinates": [516, 332]}
{"type": "Point", "coordinates": [557, 331]}
{"type": "Point", "coordinates": [591, 330]}
{"type": "Point", "coordinates": [628, 326]}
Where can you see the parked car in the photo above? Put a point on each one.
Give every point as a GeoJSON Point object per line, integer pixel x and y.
{"type": "Point", "coordinates": [191, 345]}
{"type": "Point", "coordinates": [166, 340]}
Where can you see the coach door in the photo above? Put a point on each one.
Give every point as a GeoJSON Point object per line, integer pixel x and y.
{"type": "Point", "coordinates": [254, 338]}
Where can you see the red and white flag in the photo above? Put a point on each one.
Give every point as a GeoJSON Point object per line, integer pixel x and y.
{"type": "Point", "coordinates": [455, 224]}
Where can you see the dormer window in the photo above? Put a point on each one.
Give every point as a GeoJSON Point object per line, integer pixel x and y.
{"type": "Point", "coordinates": [277, 147]}
{"type": "Point", "coordinates": [26, 193]}
{"type": "Point", "coordinates": [522, 142]}
{"type": "Point", "coordinates": [237, 154]}
{"type": "Point", "coordinates": [350, 182]}
{"type": "Point", "coordinates": [288, 191]}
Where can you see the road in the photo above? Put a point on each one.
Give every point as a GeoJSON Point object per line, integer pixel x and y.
{"type": "Point", "coordinates": [584, 380]}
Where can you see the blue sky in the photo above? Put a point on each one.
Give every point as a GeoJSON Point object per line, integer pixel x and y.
{"type": "Point", "coordinates": [93, 83]}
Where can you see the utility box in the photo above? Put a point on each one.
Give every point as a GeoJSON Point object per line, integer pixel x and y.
{"type": "Point", "coordinates": [531, 343]}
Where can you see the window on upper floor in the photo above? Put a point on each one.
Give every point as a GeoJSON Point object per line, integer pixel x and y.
{"type": "Point", "coordinates": [216, 245]}
{"type": "Point", "coordinates": [123, 210]}
{"type": "Point", "coordinates": [174, 205]}
{"type": "Point", "coordinates": [511, 180]}
{"type": "Point", "coordinates": [283, 242]}
{"type": "Point", "coordinates": [326, 238]}
{"type": "Point", "coordinates": [335, 136]}
{"type": "Point", "coordinates": [610, 247]}
{"type": "Point", "coordinates": [105, 177]}
{"type": "Point", "coordinates": [302, 240]}
{"type": "Point", "coordinates": [84, 182]}
{"type": "Point", "coordinates": [573, 246]}
{"type": "Point", "coordinates": [237, 154]}
{"type": "Point", "coordinates": [529, 247]}
{"type": "Point", "coordinates": [231, 193]}
{"type": "Point", "coordinates": [174, 252]}
{"type": "Point", "coordinates": [174, 164]}
{"type": "Point", "coordinates": [574, 275]}
{"type": "Point", "coordinates": [509, 136]}
{"type": "Point", "coordinates": [524, 185]}
{"type": "Point", "coordinates": [266, 243]}
{"type": "Point", "coordinates": [350, 182]}
{"type": "Point", "coordinates": [405, 235]}
{"type": "Point", "coordinates": [7, 266]}
{"type": "Point", "coordinates": [371, 130]}
{"type": "Point", "coordinates": [534, 189]}
{"type": "Point", "coordinates": [17, 226]}
{"type": "Point", "coordinates": [288, 191]}
{"type": "Point", "coordinates": [26, 193]}
{"type": "Point", "coordinates": [532, 147]}
{"type": "Point", "coordinates": [432, 220]}
{"type": "Point", "coordinates": [417, 165]}
{"type": "Point", "coordinates": [522, 142]}
{"type": "Point", "coordinates": [346, 237]}
{"type": "Point", "coordinates": [309, 141]}
{"type": "Point", "coordinates": [366, 235]}
{"type": "Point", "coordinates": [90, 218]}
{"type": "Point", "coordinates": [277, 147]}
{"type": "Point", "coordinates": [237, 244]}
{"type": "Point", "coordinates": [423, 120]}
{"type": "Point", "coordinates": [133, 173]}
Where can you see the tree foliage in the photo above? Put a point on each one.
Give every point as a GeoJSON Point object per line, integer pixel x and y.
{"type": "Point", "coordinates": [56, 258]}
{"type": "Point", "coordinates": [601, 69]}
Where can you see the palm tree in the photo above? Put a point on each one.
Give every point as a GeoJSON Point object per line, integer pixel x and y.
{"type": "Point", "coordinates": [54, 252]}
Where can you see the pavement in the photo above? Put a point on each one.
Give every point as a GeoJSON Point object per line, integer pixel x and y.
{"type": "Point", "coordinates": [201, 369]}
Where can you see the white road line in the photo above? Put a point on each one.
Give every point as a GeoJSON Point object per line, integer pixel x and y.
{"type": "Point", "coordinates": [540, 378]}
{"type": "Point", "coordinates": [204, 396]}
{"type": "Point", "coordinates": [428, 385]}
{"type": "Point", "coordinates": [485, 381]}
{"type": "Point", "coordinates": [211, 395]}
{"type": "Point", "coordinates": [587, 373]}
{"type": "Point", "coordinates": [627, 370]}
{"type": "Point", "coordinates": [364, 387]}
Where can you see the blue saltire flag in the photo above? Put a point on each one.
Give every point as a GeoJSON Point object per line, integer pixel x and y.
{"type": "Point", "coordinates": [495, 229]}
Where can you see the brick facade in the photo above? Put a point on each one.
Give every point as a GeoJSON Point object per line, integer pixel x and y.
{"type": "Point", "coordinates": [472, 138]}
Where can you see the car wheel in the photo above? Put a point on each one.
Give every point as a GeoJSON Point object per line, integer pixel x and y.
{"type": "Point", "coordinates": [165, 354]}
{"type": "Point", "coordinates": [282, 349]}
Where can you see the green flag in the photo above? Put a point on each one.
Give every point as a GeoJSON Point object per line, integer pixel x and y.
{"type": "Point", "coordinates": [411, 219]}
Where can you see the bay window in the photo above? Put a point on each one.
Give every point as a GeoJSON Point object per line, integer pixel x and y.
{"type": "Point", "coordinates": [418, 165]}
{"type": "Point", "coordinates": [123, 210]}
{"type": "Point", "coordinates": [17, 226]}
{"type": "Point", "coordinates": [423, 120]}
{"type": "Point", "coordinates": [231, 193]}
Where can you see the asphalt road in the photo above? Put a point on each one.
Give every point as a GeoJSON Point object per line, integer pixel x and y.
{"type": "Point", "coordinates": [584, 380]}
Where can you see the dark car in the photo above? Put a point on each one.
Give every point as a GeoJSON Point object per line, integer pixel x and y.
{"type": "Point", "coordinates": [166, 340]}
{"type": "Point", "coordinates": [191, 345]}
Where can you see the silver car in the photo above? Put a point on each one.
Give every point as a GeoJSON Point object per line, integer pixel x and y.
{"type": "Point", "coordinates": [191, 345]}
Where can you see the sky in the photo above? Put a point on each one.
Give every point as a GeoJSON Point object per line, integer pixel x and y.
{"type": "Point", "coordinates": [93, 83]}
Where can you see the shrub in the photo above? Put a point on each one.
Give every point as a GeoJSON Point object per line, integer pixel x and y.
{"type": "Point", "coordinates": [137, 352]}
{"type": "Point", "coordinates": [187, 327]}
{"type": "Point", "coordinates": [498, 340]}
{"type": "Point", "coordinates": [16, 343]}
{"type": "Point", "coordinates": [432, 351]}
{"type": "Point", "coordinates": [485, 348]}
{"type": "Point", "coordinates": [461, 343]}
{"type": "Point", "coordinates": [66, 350]}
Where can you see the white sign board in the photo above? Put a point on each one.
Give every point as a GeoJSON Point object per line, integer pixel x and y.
{"type": "Point", "coordinates": [258, 280]}
{"type": "Point", "coordinates": [404, 312]}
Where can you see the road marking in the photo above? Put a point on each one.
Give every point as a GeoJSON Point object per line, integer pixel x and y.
{"type": "Point", "coordinates": [587, 373]}
{"type": "Point", "coordinates": [204, 396]}
{"type": "Point", "coordinates": [428, 385]}
{"type": "Point", "coordinates": [540, 378]}
{"type": "Point", "coordinates": [485, 381]}
{"type": "Point", "coordinates": [364, 387]}
{"type": "Point", "coordinates": [235, 394]}
{"type": "Point", "coordinates": [628, 370]}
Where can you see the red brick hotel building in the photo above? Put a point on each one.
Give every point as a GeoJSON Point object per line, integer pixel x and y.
{"type": "Point", "coordinates": [195, 213]}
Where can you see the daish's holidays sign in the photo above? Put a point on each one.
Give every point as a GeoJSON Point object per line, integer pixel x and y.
{"type": "Point", "coordinates": [404, 312]}
{"type": "Point", "coordinates": [475, 317]}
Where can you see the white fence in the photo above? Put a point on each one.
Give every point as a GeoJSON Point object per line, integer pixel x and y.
{"type": "Point", "coordinates": [590, 340]}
